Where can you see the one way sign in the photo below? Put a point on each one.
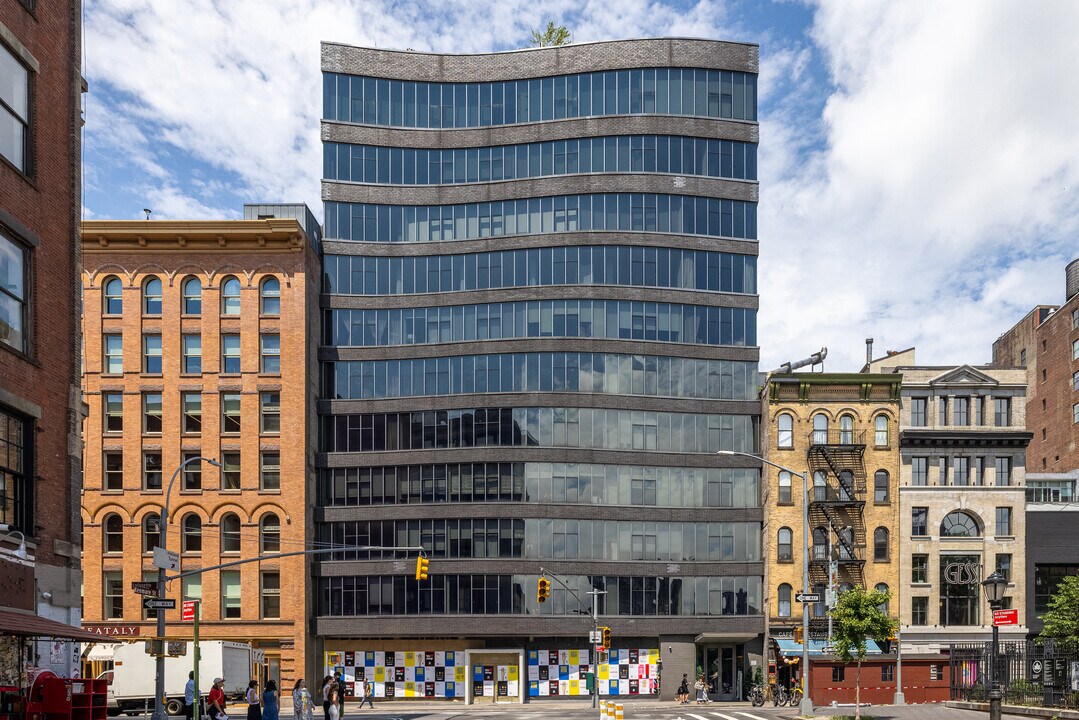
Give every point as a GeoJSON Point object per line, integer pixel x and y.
{"type": "Point", "coordinates": [807, 597]}
{"type": "Point", "coordinates": [152, 603]}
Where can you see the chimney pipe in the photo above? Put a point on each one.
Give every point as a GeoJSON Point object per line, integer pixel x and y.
{"type": "Point", "coordinates": [868, 352]}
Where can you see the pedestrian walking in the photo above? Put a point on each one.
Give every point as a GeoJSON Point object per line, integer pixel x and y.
{"type": "Point", "coordinates": [217, 700]}
{"type": "Point", "coordinates": [367, 693]}
{"type": "Point", "coordinates": [335, 699]}
{"type": "Point", "coordinates": [702, 690]}
{"type": "Point", "coordinates": [683, 690]}
{"type": "Point", "coordinates": [303, 705]}
{"type": "Point", "coordinates": [189, 696]}
{"type": "Point", "coordinates": [254, 703]}
{"type": "Point", "coordinates": [326, 682]}
{"type": "Point", "coordinates": [271, 701]}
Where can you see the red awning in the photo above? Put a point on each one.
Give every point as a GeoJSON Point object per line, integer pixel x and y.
{"type": "Point", "coordinates": [25, 624]}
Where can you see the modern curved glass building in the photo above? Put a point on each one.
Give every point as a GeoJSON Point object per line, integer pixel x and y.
{"type": "Point", "coordinates": [539, 326]}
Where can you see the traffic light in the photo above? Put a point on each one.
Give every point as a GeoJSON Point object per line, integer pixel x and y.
{"type": "Point", "coordinates": [421, 568]}
{"type": "Point", "coordinates": [543, 590]}
{"type": "Point", "coordinates": [798, 635]}
{"type": "Point", "coordinates": [606, 642]}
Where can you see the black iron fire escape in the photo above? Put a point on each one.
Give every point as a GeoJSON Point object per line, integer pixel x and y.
{"type": "Point", "coordinates": [838, 505]}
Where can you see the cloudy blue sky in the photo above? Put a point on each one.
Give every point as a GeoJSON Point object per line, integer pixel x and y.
{"type": "Point", "coordinates": [919, 160]}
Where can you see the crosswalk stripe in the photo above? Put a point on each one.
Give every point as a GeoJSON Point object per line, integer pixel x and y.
{"type": "Point", "coordinates": [751, 717]}
{"type": "Point", "coordinates": [697, 717]}
{"type": "Point", "coordinates": [725, 717]}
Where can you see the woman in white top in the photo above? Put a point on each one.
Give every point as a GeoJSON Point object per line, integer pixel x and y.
{"type": "Point", "coordinates": [335, 699]}
{"type": "Point", "coordinates": [254, 703]}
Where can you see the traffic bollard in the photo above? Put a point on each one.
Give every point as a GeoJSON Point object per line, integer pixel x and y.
{"type": "Point", "coordinates": [618, 713]}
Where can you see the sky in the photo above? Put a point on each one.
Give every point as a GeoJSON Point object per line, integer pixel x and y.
{"type": "Point", "coordinates": [919, 161]}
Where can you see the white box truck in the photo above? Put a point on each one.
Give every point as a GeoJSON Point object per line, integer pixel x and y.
{"type": "Point", "coordinates": [131, 689]}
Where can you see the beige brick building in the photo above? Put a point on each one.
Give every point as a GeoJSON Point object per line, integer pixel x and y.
{"type": "Point", "coordinates": [842, 430]}
{"type": "Point", "coordinates": [963, 440]}
{"type": "Point", "coordinates": [198, 340]}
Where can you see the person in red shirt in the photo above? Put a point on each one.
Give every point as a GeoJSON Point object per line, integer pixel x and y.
{"type": "Point", "coordinates": [217, 699]}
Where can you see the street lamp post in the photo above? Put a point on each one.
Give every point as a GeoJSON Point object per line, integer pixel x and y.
{"type": "Point", "coordinates": [994, 587]}
{"type": "Point", "coordinates": [159, 684]}
{"type": "Point", "coordinates": [805, 708]}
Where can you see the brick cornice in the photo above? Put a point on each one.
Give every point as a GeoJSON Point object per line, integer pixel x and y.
{"type": "Point", "coordinates": [271, 235]}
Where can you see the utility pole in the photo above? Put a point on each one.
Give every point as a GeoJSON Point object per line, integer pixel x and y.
{"type": "Point", "coordinates": [594, 651]}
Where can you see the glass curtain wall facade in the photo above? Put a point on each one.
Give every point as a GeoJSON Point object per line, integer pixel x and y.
{"type": "Point", "coordinates": [539, 326]}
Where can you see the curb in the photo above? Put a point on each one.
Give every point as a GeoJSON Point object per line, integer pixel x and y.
{"type": "Point", "coordinates": [1040, 712]}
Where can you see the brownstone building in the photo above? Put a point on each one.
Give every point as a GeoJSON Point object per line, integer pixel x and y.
{"type": "Point", "coordinates": [40, 407]}
{"type": "Point", "coordinates": [197, 344]}
{"type": "Point", "coordinates": [1046, 343]}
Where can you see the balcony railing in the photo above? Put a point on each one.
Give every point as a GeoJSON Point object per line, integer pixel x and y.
{"type": "Point", "coordinates": [834, 436]}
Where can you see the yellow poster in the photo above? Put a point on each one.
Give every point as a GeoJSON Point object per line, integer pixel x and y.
{"type": "Point", "coordinates": [573, 657]}
{"type": "Point", "coordinates": [334, 659]}
{"type": "Point", "coordinates": [603, 671]}
{"type": "Point", "coordinates": [459, 674]}
{"type": "Point", "coordinates": [653, 657]}
{"type": "Point", "coordinates": [574, 688]}
{"type": "Point", "coordinates": [513, 673]}
{"type": "Point", "coordinates": [410, 659]}
{"type": "Point", "coordinates": [380, 674]}
{"type": "Point", "coordinates": [410, 689]}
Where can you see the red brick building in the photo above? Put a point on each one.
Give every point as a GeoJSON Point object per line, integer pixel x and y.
{"type": "Point", "coordinates": [1046, 343]}
{"type": "Point", "coordinates": [40, 403]}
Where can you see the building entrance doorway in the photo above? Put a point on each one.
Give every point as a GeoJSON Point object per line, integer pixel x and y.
{"type": "Point", "coordinates": [722, 665]}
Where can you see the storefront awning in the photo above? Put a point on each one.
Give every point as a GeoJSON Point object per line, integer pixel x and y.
{"type": "Point", "coordinates": [790, 648]}
{"type": "Point", "coordinates": [101, 652]}
{"type": "Point", "coordinates": [29, 625]}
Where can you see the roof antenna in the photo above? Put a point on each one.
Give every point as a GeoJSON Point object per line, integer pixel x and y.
{"type": "Point", "coordinates": [147, 211]}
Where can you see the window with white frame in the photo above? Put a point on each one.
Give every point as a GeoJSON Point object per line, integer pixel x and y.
{"type": "Point", "coordinates": [271, 353]}
{"type": "Point", "coordinates": [113, 346]}
{"type": "Point", "coordinates": [230, 354]}
{"type": "Point", "coordinates": [230, 594]}
{"type": "Point", "coordinates": [14, 110]}
{"type": "Point", "coordinates": [880, 431]}
{"type": "Point", "coordinates": [112, 585]}
{"type": "Point", "coordinates": [192, 354]}
{"type": "Point", "coordinates": [230, 296]}
{"type": "Point", "coordinates": [151, 297]}
{"type": "Point", "coordinates": [112, 296]}
{"type": "Point", "coordinates": [192, 296]}
{"type": "Point", "coordinates": [785, 431]}
{"type": "Point", "coordinates": [784, 487]}
{"type": "Point", "coordinates": [151, 354]}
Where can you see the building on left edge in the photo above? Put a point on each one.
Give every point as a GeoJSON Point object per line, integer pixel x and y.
{"type": "Point", "coordinates": [40, 405]}
{"type": "Point", "coordinates": [197, 344]}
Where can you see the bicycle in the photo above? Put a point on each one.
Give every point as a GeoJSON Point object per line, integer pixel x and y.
{"type": "Point", "coordinates": [756, 696]}
{"type": "Point", "coordinates": [780, 697]}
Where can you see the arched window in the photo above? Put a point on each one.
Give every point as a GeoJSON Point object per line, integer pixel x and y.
{"type": "Point", "coordinates": [959, 524]}
{"type": "Point", "coordinates": [785, 431]}
{"type": "Point", "coordinates": [113, 540]}
{"type": "Point", "coordinates": [846, 485]}
{"type": "Point", "coordinates": [270, 534]}
{"type": "Point", "coordinates": [820, 486]}
{"type": "Point", "coordinates": [880, 431]}
{"type": "Point", "coordinates": [151, 297]}
{"type": "Point", "coordinates": [151, 532]}
{"type": "Point", "coordinates": [783, 544]}
{"type": "Point", "coordinates": [230, 296]}
{"type": "Point", "coordinates": [113, 294]}
{"type": "Point", "coordinates": [820, 429]}
{"type": "Point", "coordinates": [880, 544]}
{"type": "Point", "coordinates": [846, 429]}
{"type": "Point", "coordinates": [191, 537]}
{"type": "Point", "coordinates": [270, 296]}
{"type": "Point", "coordinates": [883, 607]}
{"type": "Point", "coordinates": [230, 534]}
{"type": "Point", "coordinates": [846, 543]}
{"type": "Point", "coordinates": [192, 296]}
{"type": "Point", "coordinates": [784, 486]}
{"type": "Point", "coordinates": [880, 486]}
{"type": "Point", "coordinates": [820, 543]}
{"type": "Point", "coordinates": [784, 600]}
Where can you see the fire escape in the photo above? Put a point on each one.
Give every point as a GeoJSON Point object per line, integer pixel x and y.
{"type": "Point", "coordinates": [837, 505]}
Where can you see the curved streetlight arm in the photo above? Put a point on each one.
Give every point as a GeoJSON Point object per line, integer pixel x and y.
{"type": "Point", "coordinates": [806, 706]}
{"type": "Point", "coordinates": [168, 491]}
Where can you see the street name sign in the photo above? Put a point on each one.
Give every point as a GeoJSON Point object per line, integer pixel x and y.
{"type": "Point", "coordinates": [166, 559]}
{"type": "Point", "coordinates": [144, 588]}
{"type": "Point", "coordinates": [153, 603]}
{"type": "Point", "coordinates": [1006, 617]}
{"type": "Point", "coordinates": [807, 597]}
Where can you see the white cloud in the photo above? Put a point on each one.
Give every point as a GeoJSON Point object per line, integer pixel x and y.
{"type": "Point", "coordinates": [942, 206]}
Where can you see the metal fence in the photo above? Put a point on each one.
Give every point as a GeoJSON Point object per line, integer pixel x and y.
{"type": "Point", "coordinates": [1040, 674]}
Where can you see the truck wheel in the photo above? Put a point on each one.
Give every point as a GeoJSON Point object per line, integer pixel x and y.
{"type": "Point", "coordinates": [174, 707]}
{"type": "Point", "coordinates": [113, 712]}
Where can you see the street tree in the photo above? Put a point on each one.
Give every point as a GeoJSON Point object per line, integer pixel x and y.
{"type": "Point", "coordinates": [858, 617]}
{"type": "Point", "coordinates": [552, 36]}
{"type": "Point", "coordinates": [1062, 617]}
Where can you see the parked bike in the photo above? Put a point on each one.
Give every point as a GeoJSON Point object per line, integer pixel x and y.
{"type": "Point", "coordinates": [756, 695]}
